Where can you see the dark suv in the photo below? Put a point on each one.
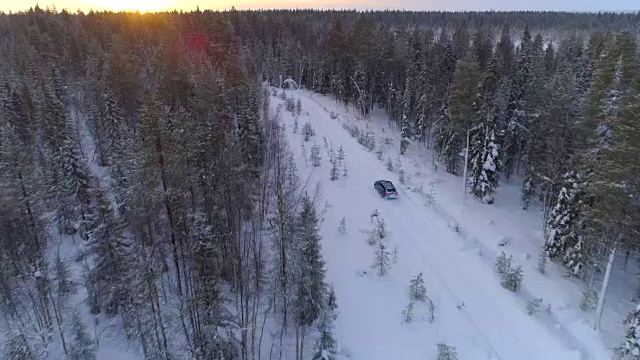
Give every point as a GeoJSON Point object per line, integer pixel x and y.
{"type": "Point", "coordinates": [386, 189]}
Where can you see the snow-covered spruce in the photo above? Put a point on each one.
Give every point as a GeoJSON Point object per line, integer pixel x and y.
{"type": "Point", "coordinates": [513, 279]}
{"type": "Point", "coordinates": [304, 154]}
{"type": "Point", "coordinates": [446, 352]}
{"type": "Point", "coordinates": [310, 300]}
{"type": "Point", "coordinates": [382, 259]}
{"type": "Point", "coordinates": [334, 172]}
{"type": "Point", "coordinates": [630, 349]}
{"type": "Point", "coordinates": [298, 107]}
{"type": "Point", "coordinates": [375, 214]}
{"type": "Point", "coordinates": [389, 164]}
{"type": "Point", "coordinates": [588, 300]}
{"type": "Point", "coordinates": [402, 176]}
{"type": "Point", "coordinates": [308, 131]}
{"type": "Point", "coordinates": [542, 261]}
{"type": "Point", "coordinates": [315, 155]}
{"type": "Point", "coordinates": [379, 232]}
{"type": "Point", "coordinates": [431, 310]}
{"type": "Point", "coordinates": [548, 310]}
{"type": "Point", "coordinates": [510, 277]}
{"type": "Point", "coordinates": [379, 153]}
{"type": "Point", "coordinates": [342, 228]}
{"type": "Point", "coordinates": [533, 306]}
{"type": "Point", "coordinates": [326, 347]}
{"type": "Point", "coordinates": [564, 229]}
{"type": "Point", "coordinates": [395, 254]}
{"type": "Point", "coordinates": [290, 105]}
{"type": "Point", "coordinates": [483, 174]}
{"type": "Point", "coordinates": [367, 139]}
{"type": "Point", "coordinates": [407, 313]}
{"type": "Point", "coordinates": [342, 155]}
{"type": "Point", "coordinates": [82, 347]}
{"type": "Point", "coordinates": [417, 289]}
{"type": "Point", "coordinates": [528, 190]}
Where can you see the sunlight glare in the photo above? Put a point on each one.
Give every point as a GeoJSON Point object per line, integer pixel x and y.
{"type": "Point", "coordinates": [134, 5]}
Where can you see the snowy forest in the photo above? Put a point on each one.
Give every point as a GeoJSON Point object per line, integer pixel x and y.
{"type": "Point", "coordinates": [147, 191]}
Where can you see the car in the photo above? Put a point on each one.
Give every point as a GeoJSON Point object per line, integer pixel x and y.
{"type": "Point", "coordinates": [386, 189]}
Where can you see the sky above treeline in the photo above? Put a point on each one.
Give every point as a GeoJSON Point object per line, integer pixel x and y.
{"type": "Point", "coordinates": [452, 5]}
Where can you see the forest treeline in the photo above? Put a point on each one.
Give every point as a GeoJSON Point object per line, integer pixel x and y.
{"type": "Point", "coordinates": [146, 142]}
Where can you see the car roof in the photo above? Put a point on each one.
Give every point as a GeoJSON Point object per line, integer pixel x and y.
{"type": "Point", "coordinates": [386, 183]}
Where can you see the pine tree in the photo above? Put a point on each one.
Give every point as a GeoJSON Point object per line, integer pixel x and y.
{"type": "Point", "coordinates": [505, 53]}
{"type": "Point", "coordinates": [406, 127]}
{"type": "Point", "coordinates": [395, 255]}
{"type": "Point", "coordinates": [542, 261]}
{"type": "Point", "coordinates": [516, 112]}
{"type": "Point", "coordinates": [382, 260]}
{"type": "Point", "coordinates": [533, 306]}
{"type": "Point", "coordinates": [513, 279]}
{"type": "Point", "coordinates": [484, 143]}
{"type": "Point", "coordinates": [613, 180]}
{"type": "Point", "coordinates": [631, 346]}
{"type": "Point", "coordinates": [453, 132]}
{"type": "Point", "coordinates": [510, 277]}
{"type": "Point", "coordinates": [110, 252]}
{"type": "Point", "coordinates": [65, 287]}
{"type": "Point", "coordinates": [68, 174]}
{"type": "Point", "coordinates": [379, 232]}
{"type": "Point", "coordinates": [326, 347]}
{"type": "Point", "coordinates": [565, 227]}
{"type": "Point", "coordinates": [315, 155]}
{"type": "Point", "coordinates": [431, 310]}
{"type": "Point", "coordinates": [308, 131]}
{"type": "Point", "coordinates": [113, 124]}
{"type": "Point", "coordinates": [341, 154]}
{"type": "Point", "coordinates": [310, 300]}
{"type": "Point", "coordinates": [250, 137]}
{"type": "Point", "coordinates": [74, 186]}
{"type": "Point", "coordinates": [552, 137]}
{"type": "Point", "coordinates": [389, 164]}
{"type": "Point", "coordinates": [17, 348]}
{"type": "Point", "coordinates": [310, 274]}
{"type": "Point", "coordinates": [446, 352]}
{"type": "Point", "coordinates": [502, 263]}
{"type": "Point", "coordinates": [334, 172]}
{"type": "Point", "coordinates": [417, 290]}
{"type": "Point", "coordinates": [332, 302]}
{"type": "Point", "coordinates": [342, 228]}
{"type": "Point", "coordinates": [407, 313]}
{"type": "Point", "coordinates": [81, 347]}
{"type": "Point", "coordinates": [483, 177]}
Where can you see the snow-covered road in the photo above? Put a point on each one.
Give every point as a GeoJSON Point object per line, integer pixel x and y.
{"type": "Point", "coordinates": [473, 312]}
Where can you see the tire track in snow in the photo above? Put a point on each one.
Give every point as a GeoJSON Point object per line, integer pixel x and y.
{"type": "Point", "coordinates": [551, 322]}
{"type": "Point", "coordinates": [559, 330]}
{"type": "Point", "coordinates": [478, 333]}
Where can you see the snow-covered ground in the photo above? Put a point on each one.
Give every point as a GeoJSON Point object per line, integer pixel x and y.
{"type": "Point", "coordinates": [473, 313]}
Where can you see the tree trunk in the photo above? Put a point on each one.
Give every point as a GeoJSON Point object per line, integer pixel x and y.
{"type": "Point", "coordinates": [466, 166]}
{"type": "Point", "coordinates": [297, 342]}
{"type": "Point", "coordinates": [169, 212]}
{"type": "Point", "coordinates": [626, 260]}
{"type": "Point", "coordinates": [605, 285]}
{"type": "Point", "coordinates": [302, 333]}
{"type": "Point", "coordinates": [56, 311]}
